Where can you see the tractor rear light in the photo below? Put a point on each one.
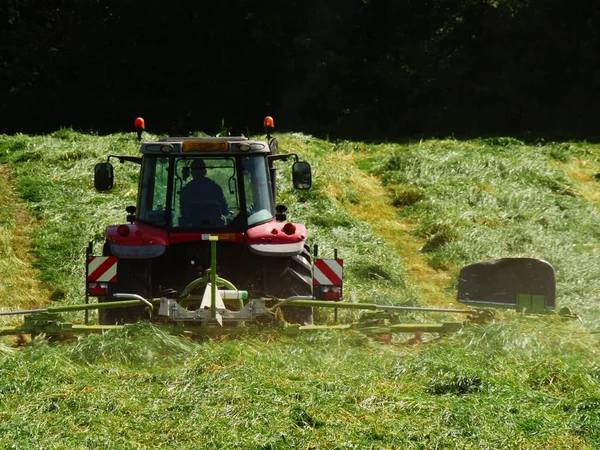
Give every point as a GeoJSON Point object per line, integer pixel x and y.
{"type": "Point", "coordinates": [327, 293]}
{"type": "Point", "coordinates": [289, 228]}
{"type": "Point", "coordinates": [123, 230]}
{"type": "Point", "coordinates": [333, 293]}
{"type": "Point", "coordinates": [138, 233]}
{"type": "Point", "coordinates": [97, 289]}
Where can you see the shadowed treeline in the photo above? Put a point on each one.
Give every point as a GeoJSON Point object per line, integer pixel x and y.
{"type": "Point", "coordinates": [365, 69]}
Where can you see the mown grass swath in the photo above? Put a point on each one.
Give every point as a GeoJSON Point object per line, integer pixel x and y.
{"type": "Point", "coordinates": [517, 383]}
{"type": "Point", "coordinates": [19, 285]}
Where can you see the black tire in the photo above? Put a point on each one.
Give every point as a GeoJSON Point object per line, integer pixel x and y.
{"type": "Point", "coordinates": [133, 277]}
{"type": "Point", "coordinates": [293, 276]}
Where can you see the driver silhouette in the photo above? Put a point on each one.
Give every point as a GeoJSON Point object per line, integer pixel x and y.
{"type": "Point", "coordinates": [202, 197]}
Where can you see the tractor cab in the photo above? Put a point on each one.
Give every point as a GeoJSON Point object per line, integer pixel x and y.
{"type": "Point", "coordinates": [212, 184]}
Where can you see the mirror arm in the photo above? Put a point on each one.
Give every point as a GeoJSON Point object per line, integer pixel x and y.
{"type": "Point", "coordinates": [284, 157]}
{"type": "Point", "coordinates": [122, 159]}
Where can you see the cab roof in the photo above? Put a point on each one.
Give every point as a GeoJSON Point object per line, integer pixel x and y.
{"type": "Point", "coordinates": [200, 139]}
{"type": "Point", "coordinates": [204, 145]}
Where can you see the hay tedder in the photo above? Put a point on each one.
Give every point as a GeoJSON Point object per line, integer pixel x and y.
{"type": "Point", "coordinates": [206, 222]}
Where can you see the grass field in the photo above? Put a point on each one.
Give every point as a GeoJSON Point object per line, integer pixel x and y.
{"type": "Point", "coordinates": [405, 217]}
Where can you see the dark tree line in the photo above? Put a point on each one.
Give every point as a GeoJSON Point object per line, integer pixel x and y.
{"type": "Point", "coordinates": [351, 68]}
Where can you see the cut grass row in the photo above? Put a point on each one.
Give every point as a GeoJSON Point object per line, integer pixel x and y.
{"type": "Point", "coordinates": [19, 285]}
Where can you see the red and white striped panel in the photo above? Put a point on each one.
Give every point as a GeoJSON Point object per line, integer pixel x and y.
{"type": "Point", "coordinates": [102, 269]}
{"type": "Point", "coordinates": [328, 272]}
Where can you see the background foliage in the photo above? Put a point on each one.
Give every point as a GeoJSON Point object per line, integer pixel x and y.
{"type": "Point", "coordinates": [341, 68]}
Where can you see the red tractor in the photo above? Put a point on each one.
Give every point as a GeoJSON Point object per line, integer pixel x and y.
{"type": "Point", "coordinates": [191, 187]}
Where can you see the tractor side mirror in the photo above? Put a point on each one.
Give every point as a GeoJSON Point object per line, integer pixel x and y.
{"type": "Point", "coordinates": [301, 175]}
{"type": "Point", "coordinates": [104, 177]}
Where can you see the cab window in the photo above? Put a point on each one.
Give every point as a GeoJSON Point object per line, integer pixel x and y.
{"type": "Point", "coordinates": [259, 204]}
{"type": "Point", "coordinates": [153, 192]}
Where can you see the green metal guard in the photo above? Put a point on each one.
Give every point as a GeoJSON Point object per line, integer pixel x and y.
{"type": "Point", "coordinates": [531, 303]}
{"type": "Point", "coordinates": [213, 276]}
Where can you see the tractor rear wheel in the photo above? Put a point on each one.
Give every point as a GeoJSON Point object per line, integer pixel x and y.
{"type": "Point", "coordinates": [133, 278]}
{"type": "Point", "coordinates": [290, 277]}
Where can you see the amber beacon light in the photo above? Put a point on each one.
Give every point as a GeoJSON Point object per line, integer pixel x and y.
{"type": "Point", "coordinates": [139, 125]}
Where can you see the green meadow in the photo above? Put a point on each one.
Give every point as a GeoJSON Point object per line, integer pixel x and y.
{"type": "Point", "coordinates": [405, 217]}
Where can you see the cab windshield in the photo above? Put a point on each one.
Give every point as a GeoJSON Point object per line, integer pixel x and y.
{"type": "Point", "coordinates": [208, 192]}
